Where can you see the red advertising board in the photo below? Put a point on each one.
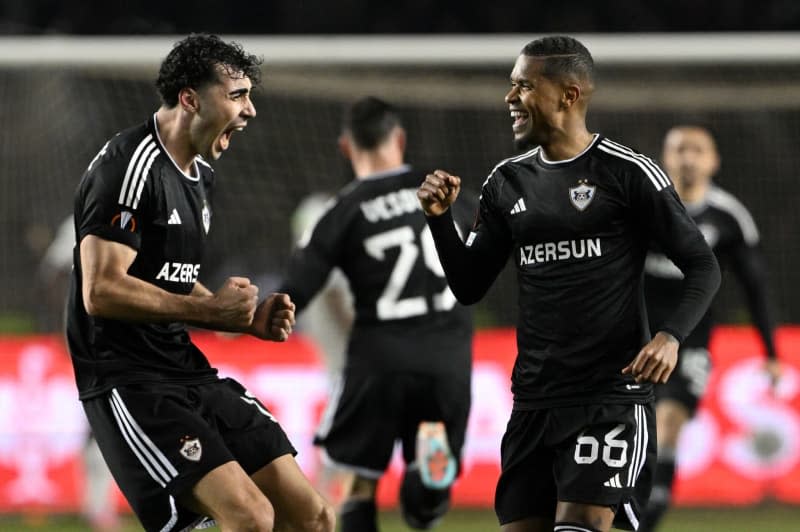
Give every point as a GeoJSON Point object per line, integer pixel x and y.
{"type": "Point", "coordinates": [743, 447]}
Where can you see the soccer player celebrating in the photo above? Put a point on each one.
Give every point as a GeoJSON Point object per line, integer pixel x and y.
{"type": "Point", "coordinates": [184, 445]}
{"type": "Point", "coordinates": [407, 369]}
{"type": "Point", "coordinates": [576, 215]}
{"type": "Point", "coordinates": [691, 159]}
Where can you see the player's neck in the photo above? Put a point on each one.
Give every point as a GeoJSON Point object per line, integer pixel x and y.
{"type": "Point", "coordinates": [567, 146]}
{"type": "Point", "coordinates": [692, 194]}
{"type": "Point", "coordinates": [369, 163]}
{"type": "Point", "coordinates": [175, 138]}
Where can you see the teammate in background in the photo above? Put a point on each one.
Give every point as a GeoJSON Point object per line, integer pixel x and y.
{"type": "Point", "coordinates": [576, 215]}
{"type": "Point", "coordinates": [98, 506]}
{"type": "Point", "coordinates": [184, 446]}
{"type": "Point", "coordinates": [408, 366]}
{"type": "Point", "coordinates": [327, 320]}
{"type": "Point", "coordinates": [691, 160]}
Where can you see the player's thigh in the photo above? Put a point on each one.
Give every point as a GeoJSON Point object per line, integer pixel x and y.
{"type": "Point", "coordinates": [291, 494]}
{"type": "Point", "coordinates": [361, 422]}
{"type": "Point", "coordinates": [526, 489]}
{"type": "Point", "coordinates": [157, 447]}
{"type": "Point", "coordinates": [671, 416]}
{"type": "Point", "coordinates": [228, 494]}
{"type": "Point", "coordinates": [250, 431]}
{"type": "Point", "coordinates": [605, 457]}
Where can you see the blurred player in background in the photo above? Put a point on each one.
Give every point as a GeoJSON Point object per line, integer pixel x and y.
{"type": "Point", "coordinates": [98, 505]}
{"type": "Point", "coordinates": [691, 160]}
{"type": "Point", "coordinates": [184, 445]}
{"type": "Point", "coordinates": [407, 370]}
{"type": "Point", "coordinates": [576, 215]}
{"type": "Point", "coordinates": [327, 320]}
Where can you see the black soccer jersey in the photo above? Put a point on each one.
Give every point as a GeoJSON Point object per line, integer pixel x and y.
{"type": "Point", "coordinates": [406, 317]}
{"type": "Point", "coordinates": [730, 231]}
{"type": "Point", "coordinates": [135, 194]}
{"type": "Point", "coordinates": [577, 232]}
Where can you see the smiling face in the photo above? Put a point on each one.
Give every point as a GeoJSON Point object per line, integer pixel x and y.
{"type": "Point", "coordinates": [534, 102]}
{"type": "Point", "coordinates": [222, 108]}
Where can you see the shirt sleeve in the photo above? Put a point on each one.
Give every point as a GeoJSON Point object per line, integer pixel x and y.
{"type": "Point", "coordinates": [315, 256]}
{"type": "Point", "coordinates": [659, 212]}
{"type": "Point", "coordinates": [748, 265]}
{"type": "Point", "coordinates": [113, 202]}
{"type": "Point", "coordinates": [471, 266]}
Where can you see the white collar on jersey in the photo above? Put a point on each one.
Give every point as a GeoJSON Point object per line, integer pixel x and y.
{"type": "Point", "coordinates": [402, 169]}
{"type": "Point", "coordinates": [587, 148]}
{"type": "Point", "coordinates": [196, 176]}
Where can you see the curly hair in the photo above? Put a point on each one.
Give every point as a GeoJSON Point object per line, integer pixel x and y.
{"type": "Point", "coordinates": [563, 56]}
{"type": "Point", "coordinates": [193, 62]}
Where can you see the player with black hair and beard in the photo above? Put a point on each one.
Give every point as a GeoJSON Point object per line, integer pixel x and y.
{"type": "Point", "coordinates": [407, 367]}
{"type": "Point", "coordinates": [576, 215]}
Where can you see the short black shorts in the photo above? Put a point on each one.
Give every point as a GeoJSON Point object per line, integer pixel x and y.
{"type": "Point", "coordinates": [159, 440]}
{"type": "Point", "coordinates": [688, 382]}
{"type": "Point", "coordinates": [367, 413]}
{"type": "Point", "coordinates": [598, 454]}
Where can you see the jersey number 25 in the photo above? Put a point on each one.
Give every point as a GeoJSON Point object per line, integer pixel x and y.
{"type": "Point", "coordinates": [389, 304]}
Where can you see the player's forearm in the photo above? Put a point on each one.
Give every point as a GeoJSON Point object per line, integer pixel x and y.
{"type": "Point", "coordinates": [701, 282]}
{"type": "Point", "coordinates": [466, 270]}
{"type": "Point", "coordinates": [751, 270]}
{"type": "Point", "coordinates": [131, 299]}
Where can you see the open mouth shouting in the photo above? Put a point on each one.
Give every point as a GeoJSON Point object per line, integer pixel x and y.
{"type": "Point", "coordinates": [520, 119]}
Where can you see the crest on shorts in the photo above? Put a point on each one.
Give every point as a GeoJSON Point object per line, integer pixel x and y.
{"type": "Point", "coordinates": [191, 448]}
{"type": "Point", "coordinates": [206, 216]}
{"type": "Point", "coordinates": [582, 195]}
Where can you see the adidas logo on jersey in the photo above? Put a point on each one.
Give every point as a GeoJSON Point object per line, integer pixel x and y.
{"type": "Point", "coordinates": [613, 482]}
{"type": "Point", "coordinates": [519, 207]}
{"type": "Point", "coordinates": [174, 218]}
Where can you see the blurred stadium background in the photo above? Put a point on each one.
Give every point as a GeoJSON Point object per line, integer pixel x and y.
{"type": "Point", "coordinates": [62, 97]}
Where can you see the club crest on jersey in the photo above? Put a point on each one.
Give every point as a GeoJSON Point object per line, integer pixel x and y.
{"type": "Point", "coordinates": [125, 221]}
{"type": "Point", "coordinates": [582, 195]}
{"type": "Point", "coordinates": [191, 448]}
{"type": "Point", "coordinates": [206, 216]}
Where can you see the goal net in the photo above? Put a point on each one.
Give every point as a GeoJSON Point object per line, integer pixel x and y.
{"type": "Point", "coordinates": [62, 98]}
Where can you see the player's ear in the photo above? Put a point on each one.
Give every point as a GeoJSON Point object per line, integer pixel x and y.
{"type": "Point", "coordinates": [570, 95]}
{"type": "Point", "coordinates": [345, 146]}
{"type": "Point", "coordinates": [189, 100]}
{"type": "Point", "coordinates": [401, 139]}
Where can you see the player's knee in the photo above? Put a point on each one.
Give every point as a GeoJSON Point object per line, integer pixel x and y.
{"type": "Point", "coordinates": [422, 507]}
{"type": "Point", "coordinates": [323, 518]}
{"type": "Point", "coordinates": [250, 513]}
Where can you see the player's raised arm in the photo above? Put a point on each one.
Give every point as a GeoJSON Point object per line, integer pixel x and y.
{"type": "Point", "coordinates": [439, 190]}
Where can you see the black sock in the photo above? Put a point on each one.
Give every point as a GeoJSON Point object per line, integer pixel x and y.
{"type": "Point", "coordinates": [661, 494]}
{"type": "Point", "coordinates": [359, 515]}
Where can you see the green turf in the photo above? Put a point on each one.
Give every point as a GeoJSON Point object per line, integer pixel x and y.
{"type": "Point", "coordinates": [769, 518]}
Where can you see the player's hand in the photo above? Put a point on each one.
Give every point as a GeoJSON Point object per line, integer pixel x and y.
{"type": "Point", "coordinates": [274, 318]}
{"type": "Point", "coordinates": [773, 369]}
{"type": "Point", "coordinates": [438, 192]}
{"type": "Point", "coordinates": [655, 361]}
{"type": "Point", "coordinates": [234, 305]}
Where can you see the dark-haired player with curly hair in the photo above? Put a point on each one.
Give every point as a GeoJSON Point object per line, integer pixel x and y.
{"type": "Point", "coordinates": [576, 215]}
{"type": "Point", "coordinates": [185, 446]}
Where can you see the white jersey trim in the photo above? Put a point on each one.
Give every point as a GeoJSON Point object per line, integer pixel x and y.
{"type": "Point", "coordinates": [195, 177]}
{"type": "Point", "coordinates": [134, 178]}
{"type": "Point", "coordinates": [656, 176]}
{"type": "Point", "coordinates": [565, 161]}
{"type": "Point", "coordinates": [526, 155]}
{"type": "Point", "coordinates": [725, 201]}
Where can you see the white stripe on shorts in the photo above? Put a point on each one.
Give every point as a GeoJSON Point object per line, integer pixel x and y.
{"type": "Point", "coordinates": [142, 446]}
